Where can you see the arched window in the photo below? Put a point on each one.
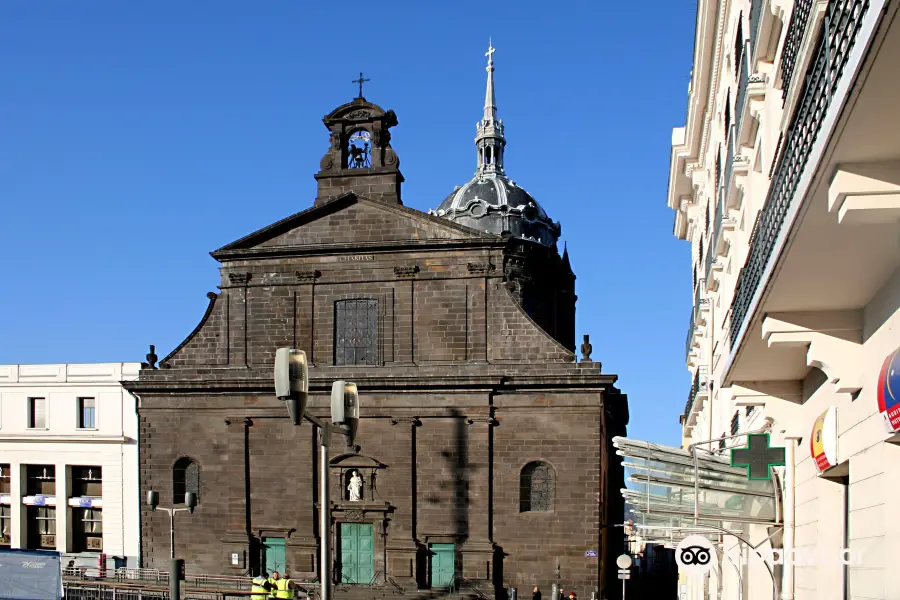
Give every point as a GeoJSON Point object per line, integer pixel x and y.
{"type": "Point", "coordinates": [185, 478]}
{"type": "Point", "coordinates": [536, 487]}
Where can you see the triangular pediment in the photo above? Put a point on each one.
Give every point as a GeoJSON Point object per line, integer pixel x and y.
{"type": "Point", "coordinates": [351, 219]}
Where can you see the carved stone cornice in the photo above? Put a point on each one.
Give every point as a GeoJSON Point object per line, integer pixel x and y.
{"type": "Point", "coordinates": [308, 276]}
{"type": "Point", "coordinates": [480, 268]}
{"type": "Point", "coordinates": [406, 271]}
{"type": "Point", "coordinates": [240, 278]}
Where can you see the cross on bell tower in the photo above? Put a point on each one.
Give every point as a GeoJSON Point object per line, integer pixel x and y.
{"type": "Point", "coordinates": [360, 81]}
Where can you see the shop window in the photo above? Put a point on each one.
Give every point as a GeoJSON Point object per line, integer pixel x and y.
{"type": "Point", "coordinates": [87, 529]}
{"type": "Point", "coordinates": [41, 480]}
{"type": "Point", "coordinates": [41, 527]}
{"type": "Point", "coordinates": [185, 478]}
{"type": "Point", "coordinates": [5, 521]}
{"type": "Point", "coordinates": [87, 482]}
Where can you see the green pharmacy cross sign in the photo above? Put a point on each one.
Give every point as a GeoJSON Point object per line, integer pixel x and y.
{"type": "Point", "coordinates": [758, 457]}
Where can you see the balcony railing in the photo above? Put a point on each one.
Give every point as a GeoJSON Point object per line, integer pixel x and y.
{"type": "Point", "coordinates": [689, 343]}
{"type": "Point", "coordinates": [756, 7]}
{"type": "Point", "coordinates": [793, 40]}
{"type": "Point", "coordinates": [743, 83]}
{"type": "Point", "coordinates": [824, 73]}
{"type": "Point", "coordinates": [699, 385]}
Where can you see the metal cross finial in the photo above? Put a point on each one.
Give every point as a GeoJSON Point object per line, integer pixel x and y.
{"type": "Point", "coordinates": [360, 81]}
{"type": "Point", "coordinates": [491, 50]}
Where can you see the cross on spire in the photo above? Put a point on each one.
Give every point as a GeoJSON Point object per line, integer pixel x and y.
{"type": "Point", "coordinates": [360, 81]}
{"type": "Point", "coordinates": [491, 50]}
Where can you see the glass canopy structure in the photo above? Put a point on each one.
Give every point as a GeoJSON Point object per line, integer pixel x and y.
{"type": "Point", "coordinates": [672, 494]}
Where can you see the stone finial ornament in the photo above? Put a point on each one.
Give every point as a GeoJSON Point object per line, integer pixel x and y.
{"type": "Point", "coordinates": [586, 349]}
{"type": "Point", "coordinates": [151, 358]}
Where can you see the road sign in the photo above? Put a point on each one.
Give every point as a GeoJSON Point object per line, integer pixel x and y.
{"type": "Point", "coordinates": [624, 574]}
{"type": "Point", "coordinates": [758, 457]}
{"type": "Point", "coordinates": [591, 553]}
{"type": "Point", "coordinates": [624, 562]}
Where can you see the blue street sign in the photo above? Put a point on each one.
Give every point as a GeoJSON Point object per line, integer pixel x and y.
{"type": "Point", "coordinates": [591, 553]}
{"type": "Point", "coordinates": [40, 501]}
{"type": "Point", "coordinates": [85, 502]}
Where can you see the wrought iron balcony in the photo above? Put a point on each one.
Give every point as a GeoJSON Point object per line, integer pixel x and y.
{"type": "Point", "coordinates": [699, 386]}
{"type": "Point", "coordinates": [756, 7]}
{"type": "Point", "coordinates": [822, 77]}
{"type": "Point", "coordinates": [793, 40]}
{"type": "Point", "coordinates": [689, 343]}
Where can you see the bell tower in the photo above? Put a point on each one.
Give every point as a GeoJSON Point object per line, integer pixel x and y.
{"type": "Point", "coordinates": [360, 158]}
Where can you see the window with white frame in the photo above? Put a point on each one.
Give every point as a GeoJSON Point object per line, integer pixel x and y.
{"type": "Point", "coordinates": [5, 480]}
{"type": "Point", "coordinates": [5, 520]}
{"type": "Point", "coordinates": [88, 530]}
{"type": "Point", "coordinates": [37, 413]}
{"type": "Point", "coordinates": [87, 413]}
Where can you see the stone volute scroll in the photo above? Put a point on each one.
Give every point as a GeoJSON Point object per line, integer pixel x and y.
{"type": "Point", "coordinates": [360, 158]}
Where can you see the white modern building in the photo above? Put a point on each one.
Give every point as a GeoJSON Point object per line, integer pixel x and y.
{"type": "Point", "coordinates": [69, 461]}
{"type": "Point", "coordinates": [785, 179]}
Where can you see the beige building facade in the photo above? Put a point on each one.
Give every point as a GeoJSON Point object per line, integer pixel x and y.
{"type": "Point", "coordinates": [69, 461]}
{"type": "Point", "coordinates": [785, 179]}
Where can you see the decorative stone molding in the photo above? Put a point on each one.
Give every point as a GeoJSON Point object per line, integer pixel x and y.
{"type": "Point", "coordinates": [406, 271]}
{"type": "Point", "coordinates": [308, 276]}
{"type": "Point", "coordinates": [480, 268]}
{"type": "Point", "coordinates": [833, 340]}
{"type": "Point", "coordinates": [239, 278]}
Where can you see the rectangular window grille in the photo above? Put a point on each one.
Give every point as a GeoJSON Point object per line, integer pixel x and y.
{"type": "Point", "coordinates": [87, 413]}
{"type": "Point", "coordinates": [41, 480]}
{"type": "Point", "coordinates": [356, 332]}
{"type": "Point", "coordinates": [87, 482]}
{"type": "Point", "coordinates": [37, 413]}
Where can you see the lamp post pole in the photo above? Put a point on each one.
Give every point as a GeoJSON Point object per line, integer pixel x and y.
{"type": "Point", "coordinates": [324, 514]}
{"type": "Point", "coordinates": [190, 500]}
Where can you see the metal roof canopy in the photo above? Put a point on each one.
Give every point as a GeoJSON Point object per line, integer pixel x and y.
{"type": "Point", "coordinates": [665, 482]}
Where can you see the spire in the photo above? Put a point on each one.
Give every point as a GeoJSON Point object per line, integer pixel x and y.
{"type": "Point", "coordinates": [490, 141]}
{"type": "Point", "coordinates": [490, 105]}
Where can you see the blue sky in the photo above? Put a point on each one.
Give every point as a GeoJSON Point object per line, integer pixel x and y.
{"type": "Point", "coordinates": [136, 137]}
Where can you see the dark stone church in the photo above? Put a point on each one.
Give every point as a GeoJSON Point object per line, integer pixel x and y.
{"type": "Point", "coordinates": [484, 448]}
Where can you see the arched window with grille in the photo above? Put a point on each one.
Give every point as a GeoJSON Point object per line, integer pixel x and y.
{"type": "Point", "coordinates": [536, 485]}
{"type": "Point", "coordinates": [185, 478]}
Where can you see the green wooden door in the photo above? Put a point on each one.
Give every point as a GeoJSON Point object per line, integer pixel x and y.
{"type": "Point", "coordinates": [274, 555]}
{"type": "Point", "coordinates": [443, 558]}
{"type": "Point", "coordinates": [357, 553]}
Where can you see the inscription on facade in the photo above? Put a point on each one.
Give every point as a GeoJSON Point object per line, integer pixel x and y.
{"type": "Point", "coordinates": [356, 258]}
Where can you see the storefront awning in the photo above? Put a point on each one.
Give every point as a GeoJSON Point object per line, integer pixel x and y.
{"type": "Point", "coordinates": [662, 489]}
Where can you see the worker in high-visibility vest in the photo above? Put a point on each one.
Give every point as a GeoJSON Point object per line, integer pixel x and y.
{"type": "Point", "coordinates": [273, 583]}
{"type": "Point", "coordinates": [286, 587]}
{"type": "Point", "coordinates": [260, 587]}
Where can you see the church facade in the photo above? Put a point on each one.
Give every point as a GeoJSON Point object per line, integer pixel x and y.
{"type": "Point", "coordinates": [484, 454]}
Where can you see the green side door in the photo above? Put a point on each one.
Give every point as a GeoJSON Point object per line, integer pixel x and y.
{"type": "Point", "coordinates": [357, 553]}
{"type": "Point", "coordinates": [443, 559]}
{"type": "Point", "coordinates": [275, 554]}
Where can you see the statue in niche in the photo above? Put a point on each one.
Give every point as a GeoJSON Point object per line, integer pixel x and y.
{"type": "Point", "coordinates": [355, 487]}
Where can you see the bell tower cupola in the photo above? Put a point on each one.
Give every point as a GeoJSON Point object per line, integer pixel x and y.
{"type": "Point", "coordinates": [360, 158]}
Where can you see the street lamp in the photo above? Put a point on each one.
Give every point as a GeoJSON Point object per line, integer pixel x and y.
{"type": "Point", "coordinates": [190, 501]}
{"type": "Point", "coordinates": [292, 386]}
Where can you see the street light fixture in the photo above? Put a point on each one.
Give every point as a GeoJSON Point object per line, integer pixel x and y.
{"type": "Point", "coordinates": [292, 386]}
{"type": "Point", "coordinates": [175, 570]}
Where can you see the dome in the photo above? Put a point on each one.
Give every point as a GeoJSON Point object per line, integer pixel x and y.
{"type": "Point", "coordinates": [497, 205]}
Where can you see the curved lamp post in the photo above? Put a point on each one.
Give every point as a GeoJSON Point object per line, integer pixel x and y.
{"type": "Point", "coordinates": [190, 503]}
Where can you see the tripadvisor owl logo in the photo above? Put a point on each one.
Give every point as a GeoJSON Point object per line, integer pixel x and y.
{"type": "Point", "coordinates": [695, 555]}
